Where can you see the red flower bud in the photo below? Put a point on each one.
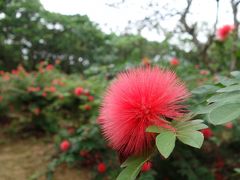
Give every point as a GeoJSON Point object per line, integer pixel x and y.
{"type": "Point", "coordinates": [229, 125]}
{"type": "Point", "coordinates": [146, 166]}
{"type": "Point", "coordinates": [207, 133]}
{"type": "Point", "coordinates": [90, 98]}
{"type": "Point", "coordinates": [101, 167]}
{"type": "Point", "coordinates": [174, 62]}
{"type": "Point", "coordinates": [65, 145]}
{"type": "Point", "coordinates": [78, 91]}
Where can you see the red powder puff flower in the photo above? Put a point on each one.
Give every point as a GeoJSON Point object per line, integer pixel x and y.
{"type": "Point", "coordinates": [223, 32]}
{"type": "Point", "coordinates": [44, 94]}
{"type": "Point", "coordinates": [101, 167]}
{"type": "Point", "coordinates": [78, 91]}
{"type": "Point", "coordinates": [207, 133]}
{"type": "Point", "coordinates": [87, 107]}
{"type": "Point", "coordinates": [174, 62]}
{"type": "Point", "coordinates": [15, 72]}
{"type": "Point", "coordinates": [204, 72]}
{"type": "Point", "coordinates": [65, 145]}
{"type": "Point", "coordinates": [137, 99]}
{"type": "Point", "coordinates": [36, 111]}
{"type": "Point", "coordinates": [2, 72]}
{"type": "Point", "coordinates": [49, 67]}
{"type": "Point", "coordinates": [33, 89]}
{"type": "Point", "coordinates": [83, 153]}
{"type": "Point", "coordinates": [146, 166]}
{"type": "Point", "coordinates": [90, 98]}
{"type": "Point", "coordinates": [51, 89]}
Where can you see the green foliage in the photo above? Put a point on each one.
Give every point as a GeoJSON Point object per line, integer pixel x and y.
{"type": "Point", "coordinates": [223, 100]}
{"type": "Point", "coordinates": [132, 167]}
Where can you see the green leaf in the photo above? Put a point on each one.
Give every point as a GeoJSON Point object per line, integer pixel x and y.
{"type": "Point", "coordinates": [187, 123]}
{"type": "Point", "coordinates": [224, 113]}
{"type": "Point", "coordinates": [207, 89]}
{"type": "Point", "coordinates": [165, 142]}
{"type": "Point", "coordinates": [153, 129]}
{"type": "Point", "coordinates": [128, 161]}
{"type": "Point", "coordinates": [206, 109]}
{"type": "Point", "coordinates": [190, 125]}
{"type": "Point", "coordinates": [191, 138]}
{"type": "Point", "coordinates": [225, 97]}
{"type": "Point", "coordinates": [227, 81]}
{"type": "Point", "coordinates": [230, 88]}
{"type": "Point", "coordinates": [133, 167]}
{"type": "Point", "coordinates": [235, 73]}
{"type": "Point", "coordinates": [237, 170]}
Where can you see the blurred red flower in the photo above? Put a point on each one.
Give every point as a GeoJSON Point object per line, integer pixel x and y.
{"type": "Point", "coordinates": [204, 72]}
{"type": "Point", "coordinates": [51, 89]}
{"type": "Point", "coordinates": [36, 111]}
{"type": "Point", "coordinates": [33, 89]}
{"type": "Point", "coordinates": [207, 133]}
{"type": "Point", "coordinates": [101, 167]}
{"type": "Point", "coordinates": [174, 62]}
{"type": "Point", "coordinates": [87, 107]}
{"type": "Point", "coordinates": [6, 77]}
{"type": "Point", "coordinates": [71, 130]}
{"type": "Point", "coordinates": [15, 72]}
{"type": "Point", "coordinates": [49, 67]}
{"type": "Point", "coordinates": [229, 125]}
{"type": "Point", "coordinates": [44, 94]}
{"type": "Point", "coordinates": [1, 98]}
{"type": "Point", "coordinates": [224, 31]}
{"type": "Point", "coordinates": [84, 153]}
{"type": "Point", "coordinates": [65, 145]}
{"type": "Point", "coordinates": [146, 166]}
{"type": "Point", "coordinates": [137, 99]}
{"type": "Point", "coordinates": [90, 98]}
{"type": "Point", "coordinates": [78, 91]}
{"type": "Point", "coordinates": [2, 72]}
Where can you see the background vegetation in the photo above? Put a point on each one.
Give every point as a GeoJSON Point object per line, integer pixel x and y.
{"type": "Point", "coordinates": [54, 69]}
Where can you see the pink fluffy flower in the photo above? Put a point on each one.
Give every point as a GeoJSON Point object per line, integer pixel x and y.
{"type": "Point", "coordinates": [223, 32]}
{"type": "Point", "coordinates": [137, 99]}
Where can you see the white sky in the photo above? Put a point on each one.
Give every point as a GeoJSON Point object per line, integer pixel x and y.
{"type": "Point", "coordinates": [116, 19]}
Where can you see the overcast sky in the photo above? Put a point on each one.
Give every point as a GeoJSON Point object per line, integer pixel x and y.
{"type": "Point", "coordinates": [116, 19]}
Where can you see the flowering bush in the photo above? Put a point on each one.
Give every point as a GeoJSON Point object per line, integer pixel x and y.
{"type": "Point", "coordinates": [51, 101]}
{"type": "Point", "coordinates": [45, 99]}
